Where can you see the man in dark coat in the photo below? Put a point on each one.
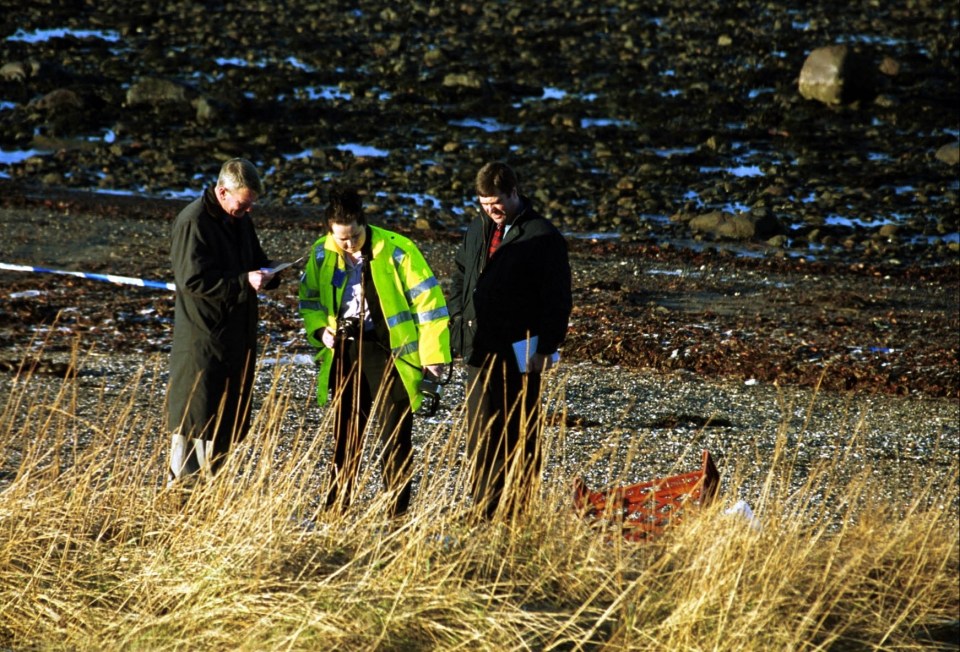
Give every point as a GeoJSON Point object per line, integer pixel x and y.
{"type": "Point", "coordinates": [219, 267]}
{"type": "Point", "coordinates": [510, 304]}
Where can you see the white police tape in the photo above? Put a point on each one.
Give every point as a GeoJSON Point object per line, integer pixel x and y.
{"type": "Point", "coordinates": [110, 278]}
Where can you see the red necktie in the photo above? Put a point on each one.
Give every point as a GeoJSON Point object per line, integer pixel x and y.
{"type": "Point", "coordinates": [495, 240]}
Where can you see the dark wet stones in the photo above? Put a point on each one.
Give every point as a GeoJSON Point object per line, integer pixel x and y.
{"type": "Point", "coordinates": [678, 98]}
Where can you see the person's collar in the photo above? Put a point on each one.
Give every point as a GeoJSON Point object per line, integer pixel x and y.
{"type": "Point", "coordinates": [524, 204]}
{"type": "Point", "coordinates": [367, 249]}
{"type": "Point", "coordinates": [212, 205]}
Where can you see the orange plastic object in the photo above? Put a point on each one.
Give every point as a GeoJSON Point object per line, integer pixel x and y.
{"type": "Point", "coordinates": [644, 509]}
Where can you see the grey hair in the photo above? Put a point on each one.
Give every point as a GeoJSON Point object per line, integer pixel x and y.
{"type": "Point", "coordinates": [240, 173]}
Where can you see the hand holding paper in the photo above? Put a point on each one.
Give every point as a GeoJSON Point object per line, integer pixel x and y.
{"type": "Point", "coordinates": [281, 266]}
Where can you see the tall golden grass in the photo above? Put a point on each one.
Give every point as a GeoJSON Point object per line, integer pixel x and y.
{"type": "Point", "coordinates": [95, 553]}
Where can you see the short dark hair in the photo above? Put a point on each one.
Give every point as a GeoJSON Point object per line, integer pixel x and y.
{"type": "Point", "coordinates": [345, 207]}
{"type": "Point", "coordinates": [496, 178]}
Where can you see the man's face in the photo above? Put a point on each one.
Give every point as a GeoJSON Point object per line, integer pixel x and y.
{"type": "Point", "coordinates": [500, 208]}
{"type": "Point", "coordinates": [349, 237]}
{"type": "Point", "coordinates": [236, 203]}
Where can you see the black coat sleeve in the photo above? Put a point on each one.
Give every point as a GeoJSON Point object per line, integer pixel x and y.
{"type": "Point", "coordinates": [556, 301]}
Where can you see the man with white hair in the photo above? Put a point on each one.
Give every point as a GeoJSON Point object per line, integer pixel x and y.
{"type": "Point", "coordinates": [219, 267]}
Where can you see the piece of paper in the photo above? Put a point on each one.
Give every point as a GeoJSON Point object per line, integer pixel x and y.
{"type": "Point", "coordinates": [524, 350]}
{"type": "Point", "coordinates": [281, 266]}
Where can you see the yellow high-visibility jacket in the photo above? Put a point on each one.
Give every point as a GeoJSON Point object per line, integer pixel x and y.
{"type": "Point", "coordinates": [409, 296]}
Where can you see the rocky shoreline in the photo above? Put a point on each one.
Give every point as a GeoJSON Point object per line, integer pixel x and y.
{"type": "Point", "coordinates": [671, 349]}
{"type": "Point", "coordinates": [647, 122]}
{"type": "Point", "coordinates": [844, 326]}
{"type": "Point", "coordinates": [721, 222]}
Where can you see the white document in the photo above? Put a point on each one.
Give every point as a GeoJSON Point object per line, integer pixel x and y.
{"type": "Point", "coordinates": [281, 266]}
{"type": "Point", "coordinates": [524, 350]}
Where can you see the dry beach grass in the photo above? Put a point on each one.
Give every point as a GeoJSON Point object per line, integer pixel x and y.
{"type": "Point", "coordinates": [95, 554]}
{"type": "Point", "coordinates": [819, 366]}
{"type": "Point", "coordinates": [855, 489]}
{"type": "Point", "coordinates": [854, 486]}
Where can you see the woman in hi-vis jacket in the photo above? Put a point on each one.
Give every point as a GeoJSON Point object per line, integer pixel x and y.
{"type": "Point", "coordinates": [378, 317]}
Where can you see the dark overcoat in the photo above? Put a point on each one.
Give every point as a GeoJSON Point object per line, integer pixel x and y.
{"type": "Point", "coordinates": [215, 324]}
{"type": "Point", "coordinates": [521, 291]}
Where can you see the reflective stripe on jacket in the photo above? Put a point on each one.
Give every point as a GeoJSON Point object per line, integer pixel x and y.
{"type": "Point", "coordinates": [410, 298]}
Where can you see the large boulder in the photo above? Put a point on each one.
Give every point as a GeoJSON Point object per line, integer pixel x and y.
{"type": "Point", "coordinates": [19, 70]}
{"type": "Point", "coordinates": [724, 225]}
{"type": "Point", "coordinates": [949, 154]}
{"type": "Point", "coordinates": [60, 99]}
{"type": "Point", "coordinates": [464, 80]}
{"type": "Point", "coordinates": [836, 74]}
{"type": "Point", "coordinates": [740, 226]}
{"type": "Point", "coordinates": [155, 91]}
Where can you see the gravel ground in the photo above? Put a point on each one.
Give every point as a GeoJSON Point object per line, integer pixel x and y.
{"type": "Point", "coordinates": [664, 406]}
{"type": "Point", "coordinates": [611, 422]}
{"type": "Point", "coordinates": [836, 322]}
{"type": "Point", "coordinates": [627, 123]}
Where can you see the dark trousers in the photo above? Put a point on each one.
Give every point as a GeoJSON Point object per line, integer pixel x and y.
{"type": "Point", "coordinates": [364, 374]}
{"type": "Point", "coordinates": [503, 437]}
